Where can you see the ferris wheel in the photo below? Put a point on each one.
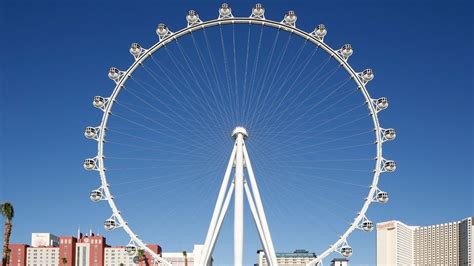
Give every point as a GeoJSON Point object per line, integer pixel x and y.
{"type": "Point", "coordinates": [288, 109]}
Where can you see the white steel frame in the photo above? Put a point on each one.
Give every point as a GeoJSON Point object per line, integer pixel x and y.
{"type": "Point", "coordinates": [240, 160]}
{"type": "Point", "coordinates": [257, 210]}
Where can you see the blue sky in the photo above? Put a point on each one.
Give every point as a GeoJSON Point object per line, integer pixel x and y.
{"type": "Point", "coordinates": [56, 55]}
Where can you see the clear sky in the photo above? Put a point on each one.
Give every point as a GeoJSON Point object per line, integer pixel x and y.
{"type": "Point", "coordinates": [56, 55]}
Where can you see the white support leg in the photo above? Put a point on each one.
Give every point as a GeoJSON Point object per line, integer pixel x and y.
{"type": "Point", "coordinates": [256, 218]}
{"type": "Point", "coordinates": [222, 216]}
{"type": "Point", "coordinates": [213, 230]}
{"type": "Point", "coordinates": [240, 159]}
{"type": "Point", "coordinates": [239, 203]}
{"type": "Point", "coordinates": [270, 253]}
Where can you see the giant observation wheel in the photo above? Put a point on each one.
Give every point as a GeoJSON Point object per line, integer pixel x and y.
{"type": "Point", "coordinates": [268, 92]}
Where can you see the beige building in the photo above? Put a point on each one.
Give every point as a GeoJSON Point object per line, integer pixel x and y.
{"type": "Point", "coordinates": [394, 243]}
{"type": "Point", "coordinates": [340, 262]}
{"type": "Point", "coordinates": [466, 249]}
{"type": "Point", "coordinates": [437, 244]}
{"type": "Point", "coordinates": [42, 256]}
{"type": "Point", "coordinates": [44, 240]}
{"type": "Point", "coordinates": [185, 259]}
{"type": "Point", "coordinates": [441, 244]}
{"type": "Point", "coordinates": [117, 255]}
{"type": "Point", "coordinates": [297, 258]}
{"type": "Point", "coordinates": [114, 256]}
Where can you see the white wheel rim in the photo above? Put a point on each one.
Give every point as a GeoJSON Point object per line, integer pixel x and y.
{"type": "Point", "coordinates": [242, 20]}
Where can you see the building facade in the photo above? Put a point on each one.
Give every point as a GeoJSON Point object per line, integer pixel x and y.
{"type": "Point", "coordinates": [44, 240]}
{"type": "Point", "coordinates": [340, 262]}
{"type": "Point", "coordinates": [394, 243]}
{"type": "Point", "coordinates": [17, 254]}
{"type": "Point", "coordinates": [437, 244]}
{"type": "Point", "coordinates": [47, 256]}
{"type": "Point", "coordinates": [466, 247]}
{"type": "Point", "coordinates": [441, 244]}
{"type": "Point", "coordinates": [298, 257]}
{"type": "Point", "coordinates": [88, 250]}
{"type": "Point", "coordinates": [116, 256]}
{"type": "Point", "coordinates": [184, 258]}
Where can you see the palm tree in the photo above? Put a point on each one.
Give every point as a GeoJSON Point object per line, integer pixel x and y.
{"type": "Point", "coordinates": [141, 254]}
{"type": "Point", "coordinates": [185, 254]}
{"type": "Point", "coordinates": [7, 211]}
{"type": "Point", "coordinates": [64, 260]}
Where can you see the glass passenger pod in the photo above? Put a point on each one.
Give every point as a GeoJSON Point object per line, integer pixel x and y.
{"type": "Point", "coordinates": [110, 224]}
{"type": "Point", "coordinates": [346, 51]}
{"type": "Point", "coordinates": [258, 11]}
{"type": "Point", "coordinates": [135, 49]}
{"type": "Point", "coordinates": [367, 75]}
{"type": "Point", "coordinates": [381, 103]}
{"type": "Point", "coordinates": [225, 11]}
{"type": "Point", "coordinates": [99, 102]}
{"type": "Point", "coordinates": [89, 164]}
{"type": "Point", "coordinates": [346, 251]}
{"type": "Point", "coordinates": [389, 134]}
{"type": "Point", "coordinates": [131, 249]}
{"type": "Point", "coordinates": [114, 74]}
{"type": "Point", "coordinates": [382, 197]}
{"type": "Point", "coordinates": [91, 132]}
{"type": "Point", "coordinates": [320, 31]}
{"type": "Point", "coordinates": [290, 18]}
{"type": "Point", "coordinates": [162, 30]}
{"type": "Point", "coordinates": [367, 226]}
{"type": "Point", "coordinates": [96, 195]}
{"type": "Point", "coordinates": [192, 17]}
{"type": "Point", "coordinates": [390, 166]}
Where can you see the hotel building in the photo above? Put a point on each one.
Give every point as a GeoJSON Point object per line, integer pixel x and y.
{"type": "Point", "coordinates": [299, 257]}
{"type": "Point", "coordinates": [340, 262]}
{"type": "Point", "coordinates": [184, 258]}
{"type": "Point", "coordinates": [394, 243]}
{"type": "Point", "coordinates": [441, 244]}
{"type": "Point", "coordinates": [89, 250]}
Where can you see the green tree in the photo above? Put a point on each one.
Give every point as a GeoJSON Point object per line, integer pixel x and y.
{"type": "Point", "coordinates": [185, 254]}
{"type": "Point", "coordinates": [64, 260]}
{"type": "Point", "coordinates": [7, 211]}
{"type": "Point", "coordinates": [141, 256]}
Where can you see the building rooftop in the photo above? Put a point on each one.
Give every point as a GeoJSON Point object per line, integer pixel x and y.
{"type": "Point", "coordinates": [339, 259]}
{"type": "Point", "coordinates": [391, 223]}
{"type": "Point", "coordinates": [299, 253]}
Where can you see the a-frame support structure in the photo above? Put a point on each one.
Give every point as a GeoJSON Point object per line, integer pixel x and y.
{"type": "Point", "coordinates": [239, 161]}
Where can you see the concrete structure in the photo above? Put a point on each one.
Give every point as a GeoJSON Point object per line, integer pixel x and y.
{"type": "Point", "coordinates": [437, 244]}
{"type": "Point", "coordinates": [185, 258]}
{"type": "Point", "coordinates": [44, 256]}
{"type": "Point", "coordinates": [89, 250]}
{"type": "Point", "coordinates": [340, 262]}
{"type": "Point", "coordinates": [299, 257]}
{"type": "Point", "coordinates": [148, 260]}
{"type": "Point", "coordinates": [441, 244]}
{"type": "Point", "coordinates": [117, 255]}
{"type": "Point", "coordinates": [17, 254]}
{"type": "Point", "coordinates": [394, 243]}
{"type": "Point", "coordinates": [466, 247]}
{"type": "Point", "coordinates": [81, 251]}
{"type": "Point", "coordinates": [67, 250]}
{"type": "Point", "coordinates": [44, 240]}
